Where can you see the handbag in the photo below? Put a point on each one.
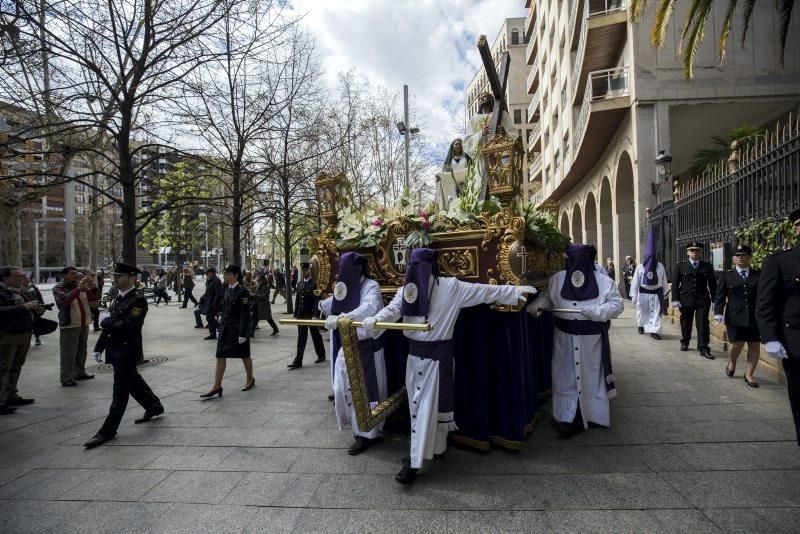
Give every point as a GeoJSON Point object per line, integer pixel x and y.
{"type": "Point", "coordinates": [42, 326]}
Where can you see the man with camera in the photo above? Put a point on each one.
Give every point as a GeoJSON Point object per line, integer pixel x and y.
{"type": "Point", "coordinates": [74, 317]}
{"type": "Point", "coordinates": [17, 315]}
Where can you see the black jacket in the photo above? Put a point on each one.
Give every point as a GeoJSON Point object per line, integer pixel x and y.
{"type": "Point", "coordinates": [122, 329]}
{"type": "Point", "coordinates": [234, 323]}
{"type": "Point", "coordinates": [305, 304]}
{"type": "Point", "coordinates": [14, 319]}
{"type": "Point", "coordinates": [736, 298]}
{"type": "Point", "coordinates": [212, 297]}
{"type": "Point", "coordinates": [694, 287]}
{"type": "Point", "coordinates": [778, 304]}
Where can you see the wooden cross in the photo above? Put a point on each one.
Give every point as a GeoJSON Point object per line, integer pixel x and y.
{"type": "Point", "coordinates": [496, 82]}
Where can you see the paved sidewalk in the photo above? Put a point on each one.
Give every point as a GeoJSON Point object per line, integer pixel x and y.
{"type": "Point", "coordinates": [689, 450]}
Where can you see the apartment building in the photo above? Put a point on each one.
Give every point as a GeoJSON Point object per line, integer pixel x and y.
{"type": "Point", "coordinates": [510, 38]}
{"type": "Point", "coordinates": [605, 102]}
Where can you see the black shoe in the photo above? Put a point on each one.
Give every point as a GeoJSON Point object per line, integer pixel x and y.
{"type": "Point", "coordinates": [249, 385]}
{"type": "Point", "coordinates": [96, 441]}
{"type": "Point", "coordinates": [360, 445]}
{"type": "Point", "coordinates": [181, 307]}
{"type": "Point", "coordinates": [199, 326]}
{"type": "Point", "coordinates": [706, 353]}
{"type": "Point", "coordinates": [84, 376]}
{"type": "Point", "coordinates": [640, 330]}
{"type": "Point", "coordinates": [320, 359]}
{"type": "Point", "coordinates": [7, 410]}
{"type": "Point", "coordinates": [293, 366]}
{"type": "Point", "coordinates": [148, 415]}
{"type": "Point", "coordinates": [684, 348]}
{"type": "Point", "coordinates": [275, 333]}
{"type": "Point", "coordinates": [19, 401]}
{"type": "Point", "coordinates": [656, 336]}
{"type": "Point", "coordinates": [210, 337]}
{"type": "Point", "coordinates": [323, 329]}
{"type": "Point", "coordinates": [407, 474]}
{"type": "Point", "coordinates": [729, 372]}
{"type": "Point", "coordinates": [69, 383]}
{"type": "Point", "coordinates": [331, 397]}
{"type": "Point", "coordinates": [752, 384]}
{"type": "Point", "coordinates": [211, 393]}
{"type": "Point", "coordinates": [567, 430]}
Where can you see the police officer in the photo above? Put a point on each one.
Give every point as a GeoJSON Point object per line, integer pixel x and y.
{"type": "Point", "coordinates": [122, 341]}
{"type": "Point", "coordinates": [735, 305]}
{"type": "Point", "coordinates": [778, 315]}
{"type": "Point", "coordinates": [692, 286]}
{"type": "Point", "coordinates": [305, 307]}
{"type": "Point", "coordinates": [234, 330]}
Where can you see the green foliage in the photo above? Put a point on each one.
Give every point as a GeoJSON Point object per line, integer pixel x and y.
{"type": "Point", "coordinates": [720, 151]}
{"type": "Point", "coordinates": [542, 227]}
{"type": "Point", "coordinates": [766, 237]}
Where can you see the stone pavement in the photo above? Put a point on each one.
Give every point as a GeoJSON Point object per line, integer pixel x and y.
{"type": "Point", "coordinates": [689, 450]}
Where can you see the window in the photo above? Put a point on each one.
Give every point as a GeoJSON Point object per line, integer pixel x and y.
{"type": "Point", "coordinates": [80, 198]}
{"type": "Point", "coordinates": [514, 37]}
{"type": "Point", "coordinates": [546, 140]}
{"type": "Point", "coordinates": [80, 210]}
{"type": "Point", "coordinates": [517, 116]}
{"type": "Point", "coordinates": [547, 174]}
{"type": "Point", "coordinates": [564, 97]}
{"type": "Point", "coordinates": [565, 145]}
{"type": "Point", "coordinates": [80, 187]}
{"type": "Point", "coordinates": [555, 163]}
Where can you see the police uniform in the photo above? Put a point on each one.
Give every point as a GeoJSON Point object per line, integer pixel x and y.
{"type": "Point", "coordinates": [305, 307]}
{"type": "Point", "coordinates": [737, 291]}
{"type": "Point", "coordinates": [778, 315]}
{"type": "Point", "coordinates": [692, 286]}
{"type": "Point", "coordinates": [235, 323]}
{"type": "Point", "coordinates": [122, 341]}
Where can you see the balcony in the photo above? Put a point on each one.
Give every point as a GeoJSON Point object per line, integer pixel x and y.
{"type": "Point", "coordinates": [530, 20]}
{"type": "Point", "coordinates": [532, 50]}
{"type": "Point", "coordinates": [533, 76]}
{"type": "Point", "coordinates": [576, 18]}
{"type": "Point", "coordinates": [533, 107]}
{"type": "Point", "coordinates": [606, 27]}
{"type": "Point", "coordinates": [535, 169]}
{"type": "Point", "coordinates": [535, 137]}
{"type": "Point", "coordinates": [538, 197]}
{"type": "Point", "coordinates": [606, 102]}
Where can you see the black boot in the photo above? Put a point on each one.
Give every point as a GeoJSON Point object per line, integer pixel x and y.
{"type": "Point", "coordinates": [360, 445]}
{"type": "Point", "coordinates": [407, 474]}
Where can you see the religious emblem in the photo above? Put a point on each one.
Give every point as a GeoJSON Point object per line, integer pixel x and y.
{"type": "Point", "coordinates": [649, 275]}
{"type": "Point", "coordinates": [399, 254]}
{"type": "Point", "coordinates": [578, 279]}
{"type": "Point", "coordinates": [518, 260]}
{"type": "Point", "coordinates": [410, 292]}
{"type": "Point", "coordinates": [340, 291]}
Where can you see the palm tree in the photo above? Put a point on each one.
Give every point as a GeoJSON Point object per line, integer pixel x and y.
{"type": "Point", "coordinates": [720, 151]}
{"type": "Point", "coordinates": [695, 25]}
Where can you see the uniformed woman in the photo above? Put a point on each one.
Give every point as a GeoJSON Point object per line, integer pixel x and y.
{"type": "Point", "coordinates": [735, 305]}
{"type": "Point", "coordinates": [233, 338]}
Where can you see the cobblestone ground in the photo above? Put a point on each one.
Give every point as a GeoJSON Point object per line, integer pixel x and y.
{"type": "Point", "coordinates": [689, 450]}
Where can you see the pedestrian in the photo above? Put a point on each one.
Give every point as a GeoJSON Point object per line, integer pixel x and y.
{"type": "Point", "coordinates": [233, 340]}
{"type": "Point", "coordinates": [693, 285]}
{"type": "Point", "coordinates": [293, 274]}
{"type": "Point", "coordinates": [280, 286]}
{"type": "Point", "coordinates": [212, 303]}
{"type": "Point", "coordinates": [262, 309]}
{"type": "Point", "coordinates": [121, 340]}
{"type": "Point", "coordinates": [427, 297]}
{"type": "Point", "coordinates": [627, 273]}
{"type": "Point", "coordinates": [17, 314]}
{"type": "Point", "coordinates": [74, 318]}
{"type": "Point", "coordinates": [778, 315]}
{"type": "Point", "coordinates": [33, 294]}
{"type": "Point", "coordinates": [177, 283]}
{"type": "Point", "coordinates": [145, 277]}
{"type": "Point", "coordinates": [94, 303]}
{"type": "Point", "coordinates": [583, 380]}
{"type": "Point", "coordinates": [610, 270]}
{"type": "Point", "coordinates": [101, 281]}
{"type": "Point", "coordinates": [188, 286]}
{"type": "Point", "coordinates": [306, 307]}
{"type": "Point", "coordinates": [647, 290]}
{"type": "Point", "coordinates": [357, 296]}
{"type": "Point", "coordinates": [161, 289]}
{"type": "Point", "coordinates": [735, 305]}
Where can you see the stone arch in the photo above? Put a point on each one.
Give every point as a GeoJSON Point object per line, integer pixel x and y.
{"type": "Point", "coordinates": [590, 220]}
{"type": "Point", "coordinates": [577, 223]}
{"type": "Point", "coordinates": [605, 229]}
{"type": "Point", "coordinates": [564, 225]}
{"type": "Point", "coordinates": [625, 198]}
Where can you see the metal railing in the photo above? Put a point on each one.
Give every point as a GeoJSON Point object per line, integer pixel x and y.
{"type": "Point", "coordinates": [534, 71]}
{"type": "Point", "coordinates": [536, 165]}
{"type": "Point", "coordinates": [535, 131]}
{"type": "Point", "coordinates": [534, 103]}
{"type": "Point", "coordinates": [538, 197]}
{"type": "Point", "coordinates": [600, 85]}
{"type": "Point", "coordinates": [576, 68]}
{"type": "Point", "coordinates": [604, 7]}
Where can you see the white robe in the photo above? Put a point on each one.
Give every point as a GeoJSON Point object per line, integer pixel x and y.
{"type": "Point", "coordinates": [474, 141]}
{"type": "Point", "coordinates": [577, 368]}
{"type": "Point", "coordinates": [648, 308]}
{"type": "Point", "coordinates": [371, 301]}
{"type": "Point", "coordinates": [429, 428]}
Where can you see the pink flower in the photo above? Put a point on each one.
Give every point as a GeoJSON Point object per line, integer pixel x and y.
{"type": "Point", "coordinates": [377, 222]}
{"type": "Point", "coordinates": [426, 224]}
{"type": "Point", "coordinates": [423, 214]}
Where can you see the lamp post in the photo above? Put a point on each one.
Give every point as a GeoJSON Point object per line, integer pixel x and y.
{"type": "Point", "coordinates": [663, 164]}
{"type": "Point", "coordinates": [401, 127]}
{"type": "Point", "coordinates": [36, 223]}
{"type": "Point", "coordinates": [205, 257]}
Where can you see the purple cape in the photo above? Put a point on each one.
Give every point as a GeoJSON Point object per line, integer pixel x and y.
{"type": "Point", "coordinates": [416, 290]}
{"type": "Point", "coordinates": [580, 282]}
{"type": "Point", "coordinates": [347, 289]}
{"type": "Point", "coordinates": [650, 262]}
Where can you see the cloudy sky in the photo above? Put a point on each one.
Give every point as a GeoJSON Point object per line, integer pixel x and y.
{"type": "Point", "coordinates": [427, 44]}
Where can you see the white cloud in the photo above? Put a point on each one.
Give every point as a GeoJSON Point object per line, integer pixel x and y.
{"type": "Point", "coordinates": [427, 44]}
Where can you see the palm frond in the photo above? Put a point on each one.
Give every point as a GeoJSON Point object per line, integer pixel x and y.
{"type": "Point", "coordinates": [747, 16]}
{"type": "Point", "coordinates": [726, 28]}
{"type": "Point", "coordinates": [747, 133]}
{"type": "Point", "coordinates": [700, 11]}
{"type": "Point", "coordinates": [636, 10]}
{"type": "Point", "coordinates": [658, 32]}
{"type": "Point", "coordinates": [784, 9]}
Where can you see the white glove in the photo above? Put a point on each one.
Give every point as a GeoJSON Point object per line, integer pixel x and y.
{"type": "Point", "coordinates": [527, 290]}
{"type": "Point", "coordinates": [776, 350]}
{"type": "Point", "coordinates": [98, 357]}
{"type": "Point", "coordinates": [368, 324]}
{"type": "Point", "coordinates": [592, 312]}
{"type": "Point", "coordinates": [534, 309]}
{"type": "Point", "coordinates": [242, 340]}
{"type": "Point", "coordinates": [676, 304]}
{"type": "Point", "coordinates": [719, 318]}
{"type": "Point", "coordinates": [331, 322]}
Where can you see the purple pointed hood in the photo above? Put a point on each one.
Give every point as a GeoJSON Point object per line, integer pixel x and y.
{"type": "Point", "coordinates": [650, 262]}
{"type": "Point", "coordinates": [416, 287]}
{"type": "Point", "coordinates": [347, 289]}
{"type": "Point", "coordinates": [580, 282]}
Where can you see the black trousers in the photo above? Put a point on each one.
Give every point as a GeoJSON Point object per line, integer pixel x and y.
{"type": "Point", "coordinates": [128, 382]}
{"type": "Point", "coordinates": [792, 368]}
{"type": "Point", "coordinates": [698, 315]}
{"type": "Point", "coordinates": [302, 338]}
{"type": "Point", "coordinates": [187, 296]}
{"type": "Point", "coordinates": [254, 319]}
{"type": "Point", "coordinates": [213, 324]}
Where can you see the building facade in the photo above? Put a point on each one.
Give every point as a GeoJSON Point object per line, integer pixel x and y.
{"type": "Point", "coordinates": [605, 102]}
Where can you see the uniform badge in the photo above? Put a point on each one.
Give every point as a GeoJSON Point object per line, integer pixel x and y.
{"type": "Point", "coordinates": [410, 292]}
{"type": "Point", "coordinates": [136, 312]}
{"type": "Point", "coordinates": [340, 291]}
{"type": "Point", "coordinates": [649, 275]}
{"type": "Point", "coordinates": [578, 279]}
{"type": "Point", "coordinates": [245, 300]}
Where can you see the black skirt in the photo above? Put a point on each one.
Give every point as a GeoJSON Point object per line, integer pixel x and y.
{"type": "Point", "coordinates": [228, 346]}
{"type": "Point", "coordinates": [743, 333]}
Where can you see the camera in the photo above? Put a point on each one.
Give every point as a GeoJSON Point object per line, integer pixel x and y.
{"type": "Point", "coordinates": [48, 306]}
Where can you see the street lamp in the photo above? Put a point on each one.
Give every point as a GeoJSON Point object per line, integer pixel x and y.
{"type": "Point", "coordinates": [205, 260]}
{"type": "Point", "coordinates": [663, 170]}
